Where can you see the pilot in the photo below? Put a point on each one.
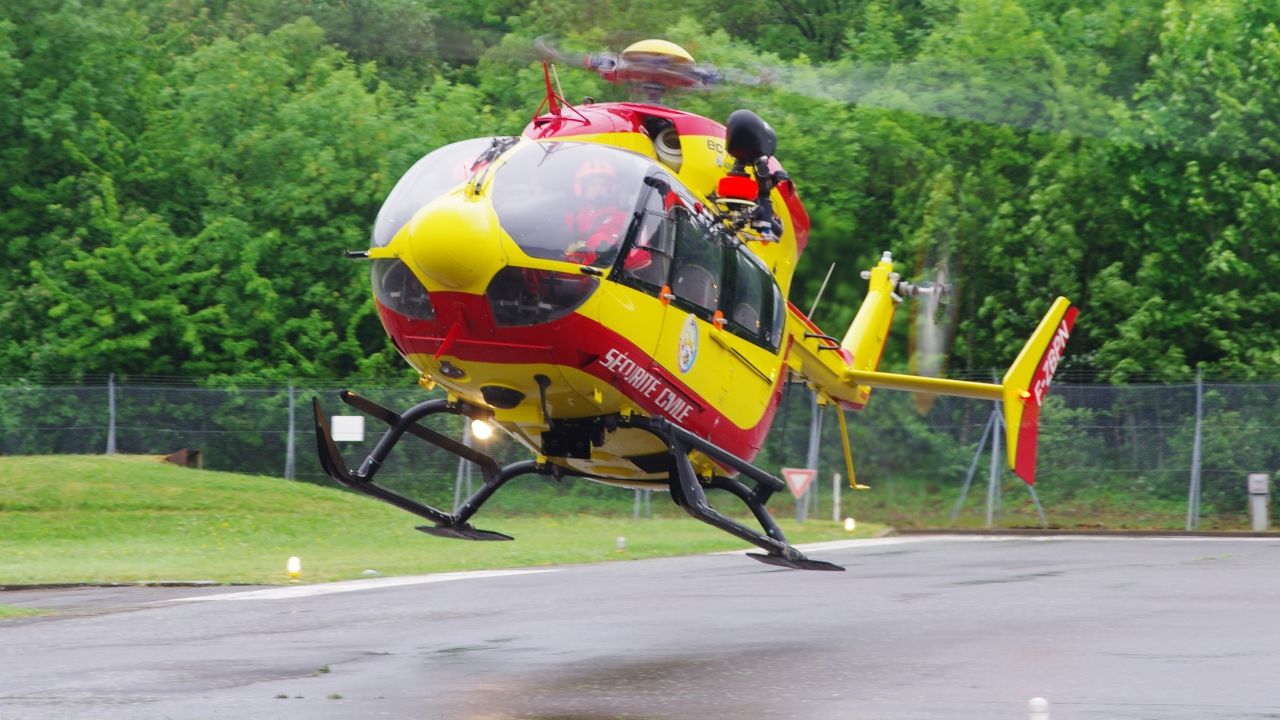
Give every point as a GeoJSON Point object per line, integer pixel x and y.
{"type": "Point", "coordinates": [598, 225]}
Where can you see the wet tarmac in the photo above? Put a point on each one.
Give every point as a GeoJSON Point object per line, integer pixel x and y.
{"type": "Point", "coordinates": [918, 627]}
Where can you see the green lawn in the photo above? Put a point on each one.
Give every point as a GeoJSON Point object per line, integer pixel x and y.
{"type": "Point", "coordinates": [99, 519]}
{"type": "Point", "coordinates": [9, 611]}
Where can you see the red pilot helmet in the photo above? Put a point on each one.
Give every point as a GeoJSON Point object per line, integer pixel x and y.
{"type": "Point", "coordinates": [594, 172]}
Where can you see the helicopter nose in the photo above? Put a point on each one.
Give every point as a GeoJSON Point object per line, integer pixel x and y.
{"type": "Point", "coordinates": [455, 242]}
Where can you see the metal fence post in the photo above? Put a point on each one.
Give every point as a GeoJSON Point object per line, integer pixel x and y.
{"type": "Point", "coordinates": [811, 459]}
{"type": "Point", "coordinates": [1193, 492]}
{"type": "Point", "coordinates": [111, 414]}
{"type": "Point", "coordinates": [973, 468]}
{"type": "Point", "coordinates": [993, 476]}
{"type": "Point", "coordinates": [464, 471]}
{"type": "Point", "coordinates": [290, 447]}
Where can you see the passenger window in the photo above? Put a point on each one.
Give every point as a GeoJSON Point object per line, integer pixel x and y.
{"type": "Point", "coordinates": [746, 306]}
{"type": "Point", "coordinates": [695, 280]}
{"type": "Point", "coordinates": [756, 309]}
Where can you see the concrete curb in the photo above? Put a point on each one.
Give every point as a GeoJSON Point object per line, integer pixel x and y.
{"type": "Point", "coordinates": [1037, 532]}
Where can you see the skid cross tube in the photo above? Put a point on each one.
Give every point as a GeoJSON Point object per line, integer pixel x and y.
{"type": "Point", "coordinates": [753, 501]}
{"type": "Point", "coordinates": [488, 466]}
{"type": "Point", "coordinates": [446, 524]}
{"type": "Point", "coordinates": [686, 490]}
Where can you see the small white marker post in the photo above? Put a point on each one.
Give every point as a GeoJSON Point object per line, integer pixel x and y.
{"type": "Point", "coordinates": [622, 544]}
{"type": "Point", "coordinates": [1039, 708]}
{"type": "Point", "coordinates": [294, 568]}
{"type": "Point", "coordinates": [347, 428]}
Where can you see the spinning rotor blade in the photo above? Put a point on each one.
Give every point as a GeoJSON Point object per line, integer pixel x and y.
{"type": "Point", "coordinates": [546, 49]}
{"type": "Point", "coordinates": [979, 90]}
{"type": "Point", "coordinates": [933, 320]}
{"type": "Point", "coordinates": [980, 93]}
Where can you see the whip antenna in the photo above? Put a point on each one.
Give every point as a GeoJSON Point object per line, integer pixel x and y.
{"type": "Point", "coordinates": [821, 289]}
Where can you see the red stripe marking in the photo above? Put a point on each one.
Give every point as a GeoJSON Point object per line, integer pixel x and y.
{"type": "Point", "coordinates": [566, 342]}
{"type": "Point", "coordinates": [1029, 428]}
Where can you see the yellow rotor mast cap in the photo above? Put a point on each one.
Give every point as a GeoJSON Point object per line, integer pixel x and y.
{"type": "Point", "coordinates": [653, 48]}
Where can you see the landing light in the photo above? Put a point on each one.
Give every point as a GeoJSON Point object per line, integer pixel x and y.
{"type": "Point", "coordinates": [481, 430]}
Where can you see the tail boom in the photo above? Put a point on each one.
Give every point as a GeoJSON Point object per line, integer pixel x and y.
{"type": "Point", "coordinates": [1022, 390]}
{"type": "Point", "coordinates": [846, 371]}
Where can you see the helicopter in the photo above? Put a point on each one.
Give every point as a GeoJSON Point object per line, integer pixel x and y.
{"type": "Point", "coordinates": [609, 288]}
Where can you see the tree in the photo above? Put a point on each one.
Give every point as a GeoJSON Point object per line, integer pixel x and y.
{"type": "Point", "coordinates": [1202, 193]}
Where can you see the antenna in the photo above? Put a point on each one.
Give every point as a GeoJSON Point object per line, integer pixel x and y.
{"type": "Point", "coordinates": [821, 289]}
{"type": "Point", "coordinates": [556, 76]}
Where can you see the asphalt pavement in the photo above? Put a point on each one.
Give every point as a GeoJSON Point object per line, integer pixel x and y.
{"type": "Point", "coordinates": [917, 627]}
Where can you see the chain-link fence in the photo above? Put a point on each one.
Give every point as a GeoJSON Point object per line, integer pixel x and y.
{"type": "Point", "coordinates": [1160, 456]}
{"type": "Point", "coordinates": [1135, 456]}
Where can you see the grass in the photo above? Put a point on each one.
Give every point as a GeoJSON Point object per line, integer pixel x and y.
{"type": "Point", "coordinates": [927, 504]}
{"type": "Point", "coordinates": [109, 519]}
{"type": "Point", "coordinates": [9, 611]}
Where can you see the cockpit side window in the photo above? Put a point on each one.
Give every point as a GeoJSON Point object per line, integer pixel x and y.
{"type": "Point", "coordinates": [671, 246]}
{"type": "Point", "coordinates": [779, 317]}
{"type": "Point", "coordinates": [647, 259]}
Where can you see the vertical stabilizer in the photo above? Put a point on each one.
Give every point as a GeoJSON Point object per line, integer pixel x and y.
{"type": "Point", "coordinates": [867, 334]}
{"type": "Point", "coordinates": [1027, 382]}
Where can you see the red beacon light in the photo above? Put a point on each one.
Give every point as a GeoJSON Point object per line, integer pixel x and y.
{"type": "Point", "coordinates": [737, 188]}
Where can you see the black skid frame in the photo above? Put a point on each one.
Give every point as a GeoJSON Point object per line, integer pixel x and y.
{"type": "Point", "coordinates": [686, 488]}
{"type": "Point", "coordinates": [687, 492]}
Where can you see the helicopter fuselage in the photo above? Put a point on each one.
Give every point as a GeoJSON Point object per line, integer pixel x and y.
{"type": "Point", "coordinates": [491, 285]}
{"type": "Point", "coordinates": [610, 289]}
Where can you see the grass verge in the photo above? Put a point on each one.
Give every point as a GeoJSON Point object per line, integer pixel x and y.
{"type": "Point", "coordinates": [8, 612]}
{"type": "Point", "coordinates": [104, 519]}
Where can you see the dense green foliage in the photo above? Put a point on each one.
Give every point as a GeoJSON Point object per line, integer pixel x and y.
{"type": "Point", "coordinates": [180, 177]}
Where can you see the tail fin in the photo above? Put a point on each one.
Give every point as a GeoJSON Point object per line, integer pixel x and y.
{"type": "Point", "coordinates": [1027, 382]}
{"type": "Point", "coordinates": [1022, 390]}
{"type": "Point", "coordinates": [864, 342]}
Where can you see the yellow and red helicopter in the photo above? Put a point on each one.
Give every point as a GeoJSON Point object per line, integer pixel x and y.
{"type": "Point", "coordinates": [610, 289]}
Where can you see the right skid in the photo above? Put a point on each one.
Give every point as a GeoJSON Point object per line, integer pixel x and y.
{"type": "Point", "coordinates": [686, 490]}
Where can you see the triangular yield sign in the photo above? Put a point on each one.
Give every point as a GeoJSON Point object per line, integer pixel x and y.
{"type": "Point", "coordinates": [798, 479]}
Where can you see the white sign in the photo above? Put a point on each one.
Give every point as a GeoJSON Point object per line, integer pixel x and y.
{"type": "Point", "coordinates": [798, 479]}
{"type": "Point", "coordinates": [347, 428]}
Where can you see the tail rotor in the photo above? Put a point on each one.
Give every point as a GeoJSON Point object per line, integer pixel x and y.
{"type": "Point", "coordinates": [933, 319]}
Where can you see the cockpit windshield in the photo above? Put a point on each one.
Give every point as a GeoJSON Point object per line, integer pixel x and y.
{"type": "Point", "coordinates": [569, 201]}
{"type": "Point", "coordinates": [435, 174]}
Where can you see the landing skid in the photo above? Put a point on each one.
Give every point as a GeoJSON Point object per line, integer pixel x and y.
{"type": "Point", "coordinates": [800, 563]}
{"type": "Point", "coordinates": [451, 525]}
{"type": "Point", "coordinates": [463, 532]}
{"type": "Point", "coordinates": [687, 492]}
{"type": "Point", "coordinates": [686, 488]}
